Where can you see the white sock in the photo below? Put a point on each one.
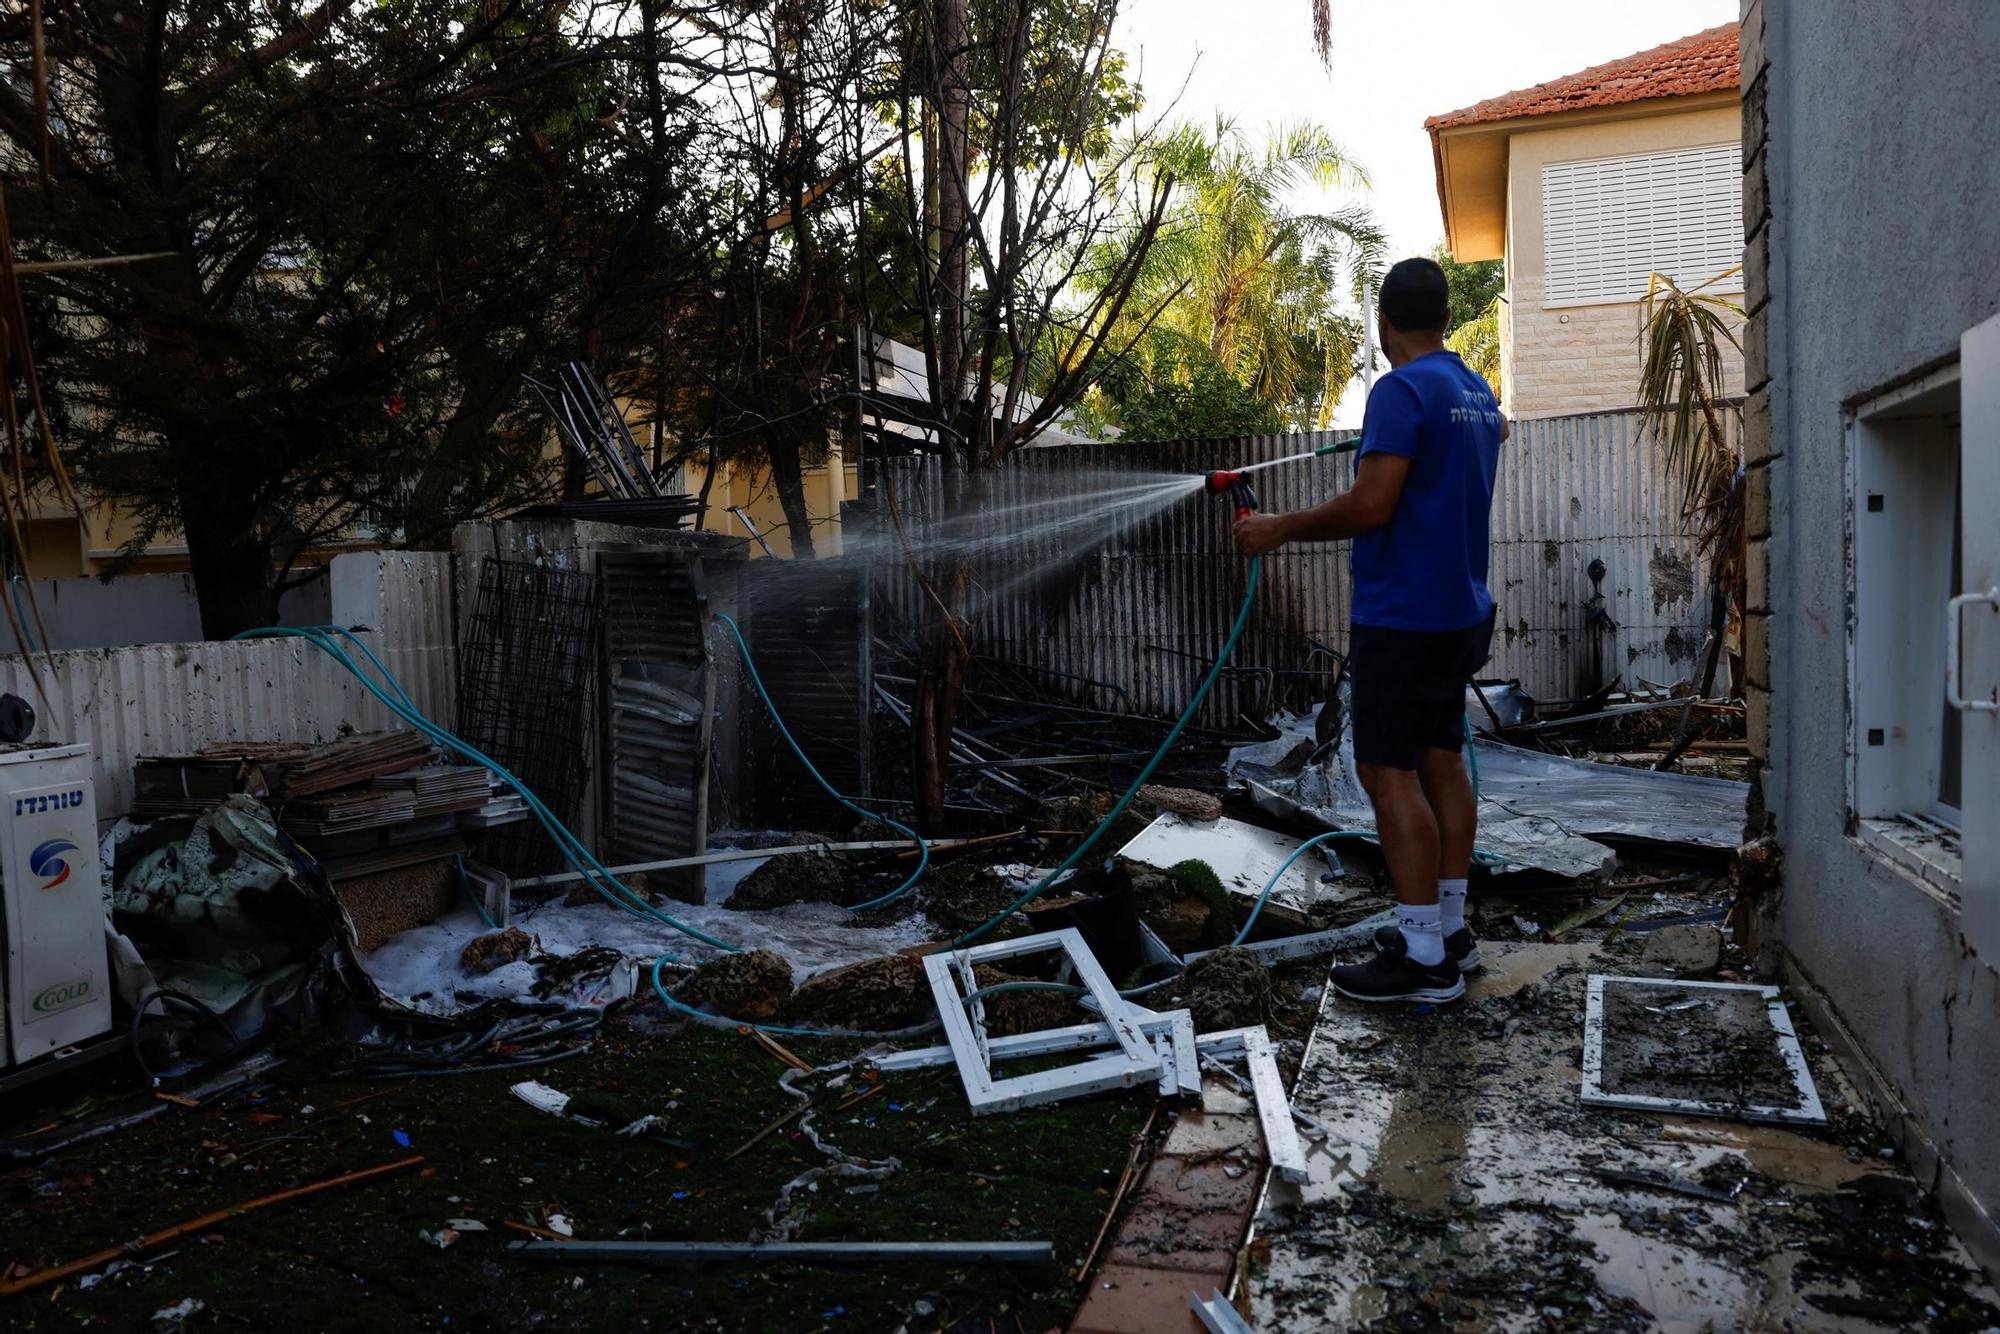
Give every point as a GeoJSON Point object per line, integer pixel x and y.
{"type": "Point", "coordinates": [1421, 932]}
{"type": "Point", "coordinates": [1451, 900]}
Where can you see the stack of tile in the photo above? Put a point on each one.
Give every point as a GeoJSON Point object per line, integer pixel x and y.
{"type": "Point", "coordinates": [439, 789]}
{"type": "Point", "coordinates": [190, 784]}
{"type": "Point", "coordinates": [362, 805]}
{"type": "Point", "coordinates": [348, 762]}
{"type": "Point", "coordinates": [346, 811]}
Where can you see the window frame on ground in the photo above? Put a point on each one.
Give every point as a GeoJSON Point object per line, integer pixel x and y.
{"type": "Point", "coordinates": [1904, 534]}
{"type": "Point", "coordinates": [1609, 223]}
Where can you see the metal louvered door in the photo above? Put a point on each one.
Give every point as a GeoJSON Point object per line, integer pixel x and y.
{"type": "Point", "coordinates": [659, 709]}
{"type": "Point", "coordinates": [811, 627]}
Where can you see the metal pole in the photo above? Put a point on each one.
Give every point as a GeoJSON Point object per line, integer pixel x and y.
{"type": "Point", "coordinates": [1368, 336]}
{"type": "Point", "coordinates": [711, 1252]}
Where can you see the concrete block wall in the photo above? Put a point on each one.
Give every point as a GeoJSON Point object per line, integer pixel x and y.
{"type": "Point", "coordinates": [1759, 451]}
{"type": "Point", "coordinates": [1872, 245]}
{"type": "Point", "coordinates": [1572, 359]}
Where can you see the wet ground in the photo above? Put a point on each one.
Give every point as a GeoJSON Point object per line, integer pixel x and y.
{"type": "Point", "coordinates": [1462, 1185]}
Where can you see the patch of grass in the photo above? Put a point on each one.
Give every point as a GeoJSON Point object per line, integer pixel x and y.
{"type": "Point", "coordinates": [1198, 878]}
{"type": "Point", "coordinates": [352, 1258]}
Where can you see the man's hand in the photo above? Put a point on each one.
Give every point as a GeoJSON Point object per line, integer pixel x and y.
{"type": "Point", "coordinates": [1258, 533]}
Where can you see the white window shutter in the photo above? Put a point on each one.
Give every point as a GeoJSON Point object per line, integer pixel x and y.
{"type": "Point", "coordinates": [1609, 223]}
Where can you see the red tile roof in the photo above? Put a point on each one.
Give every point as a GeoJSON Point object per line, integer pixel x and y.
{"type": "Point", "coordinates": [1707, 62]}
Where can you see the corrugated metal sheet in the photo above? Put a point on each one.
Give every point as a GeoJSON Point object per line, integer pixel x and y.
{"type": "Point", "coordinates": [158, 698]}
{"type": "Point", "coordinates": [418, 625]}
{"type": "Point", "coordinates": [660, 705]}
{"type": "Point", "coordinates": [1577, 489]}
{"type": "Point", "coordinates": [1144, 610]}
{"type": "Point", "coordinates": [810, 625]}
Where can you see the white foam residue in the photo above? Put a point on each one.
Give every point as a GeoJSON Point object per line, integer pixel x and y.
{"type": "Point", "coordinates": [420, 968]}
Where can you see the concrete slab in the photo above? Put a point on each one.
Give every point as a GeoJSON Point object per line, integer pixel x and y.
{"type": "Point", "coordinates": [1460, 1186]}
{"type": "Point", "coordinates": [1196, 1133]}
{"type": "Point", "coordinates": [1125, 1299]}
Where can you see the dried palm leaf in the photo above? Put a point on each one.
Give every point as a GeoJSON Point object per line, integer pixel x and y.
{"type": "Point", "coordinates": [1683, 332]}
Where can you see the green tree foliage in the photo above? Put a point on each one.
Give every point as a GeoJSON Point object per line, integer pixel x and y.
{"type": "Point", "coordinates": [375, 220]}
{"type": "Point", "coordinates": [1204, 401]}
{"type": "Point", "coordinates": [1475, 312]}
{"type": "Point", "coordinates": [1241, 283]}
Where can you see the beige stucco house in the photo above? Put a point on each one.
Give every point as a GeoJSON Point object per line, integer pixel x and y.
{"type": "Point", "coordinates": [1586, 185]}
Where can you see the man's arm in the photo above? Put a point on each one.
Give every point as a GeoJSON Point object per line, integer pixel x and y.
{"type": "Point", "coordinates": [1378, 485]}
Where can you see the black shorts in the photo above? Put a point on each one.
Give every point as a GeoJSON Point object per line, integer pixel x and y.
{"type": "Point", "coordinates": [1409, 689]}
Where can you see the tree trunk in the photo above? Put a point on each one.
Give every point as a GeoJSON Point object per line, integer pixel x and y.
{"type": "Point", "coordinates": [788, 476]}
{"type": "Point", "coordinates": [231, 565]}
{"type": "Point", "coordinates": [942, 665]}
{"type": "Point", "coordinates": [940, 681]}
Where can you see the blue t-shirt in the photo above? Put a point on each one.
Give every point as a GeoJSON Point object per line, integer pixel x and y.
{"type": "Point", "coordinates": [1426, 568]}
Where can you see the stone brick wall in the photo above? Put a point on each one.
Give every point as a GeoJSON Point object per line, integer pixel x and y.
{"type": "Point", "coordinates": [1758, 451]}
{"type": "Point", "coordinates": [1568, 361]}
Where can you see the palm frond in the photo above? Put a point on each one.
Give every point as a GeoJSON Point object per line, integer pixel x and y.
{"type": "Point", "coordinates": [1683, 332]}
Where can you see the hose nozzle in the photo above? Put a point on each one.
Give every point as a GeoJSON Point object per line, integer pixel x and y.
{"type": "Point", "coordinates": [1234, 485]}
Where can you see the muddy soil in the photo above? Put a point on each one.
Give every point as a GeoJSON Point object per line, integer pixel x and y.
{"type": "Point", "coordinates": [1693, 1043]}
{"type": "Point", "coordinates": [1226, 989]}
{"type": "Point", "coordinates": [961, 896]}
{"type": "Point", "coordinates": [753, 986]}
{"type": "Point", "coordinates": [494, 950]}
{"type": "Point", "coordinates": [875, 995]}
{"type": "Point", "coordinates": [798, 877]}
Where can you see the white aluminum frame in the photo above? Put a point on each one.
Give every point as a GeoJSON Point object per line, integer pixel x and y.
{"type": "Point", "coordinates": [1217, 1316]}
{"type": "Point", "coordinates": [1808, 1112]}
{"type": "Point", "coordinates": [1317, 942]}
{"type": "Point", "coordinates": [1224, 1042]}
{"type": "Point", "coordinates": [1135, 1062]}
{"type": "Point", "coordinates": [1274, 1109]}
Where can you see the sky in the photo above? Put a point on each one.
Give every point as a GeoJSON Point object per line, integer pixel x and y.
{"type": "Point", "coordinates": [1393, 65]}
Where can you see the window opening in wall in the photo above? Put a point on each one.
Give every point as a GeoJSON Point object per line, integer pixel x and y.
{"type": "Point", "coordinates": [1906, 525]}
{"type": "Point", "coordinates": [1608, 224]}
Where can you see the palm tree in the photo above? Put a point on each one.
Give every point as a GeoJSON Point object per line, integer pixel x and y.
{"type": "Point", "coordinates": [1477, 342]}
{"type": "Point", "coordinates": [1238, 280]}
{"type": "Point", "coordinates": [1683, 332]}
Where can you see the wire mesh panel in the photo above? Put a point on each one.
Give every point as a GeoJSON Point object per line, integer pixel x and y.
{"type": "Point", "coordinates": [524, 697]}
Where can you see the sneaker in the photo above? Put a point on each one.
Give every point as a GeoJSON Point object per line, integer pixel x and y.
{"type": "Point", "coordinates": [1459, 947]}
{"type": "Point", "coordinates": [1392, 976]}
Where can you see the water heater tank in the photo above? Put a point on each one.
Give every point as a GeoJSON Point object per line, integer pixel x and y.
{"type": "Point", "coordinates": [57, 983]}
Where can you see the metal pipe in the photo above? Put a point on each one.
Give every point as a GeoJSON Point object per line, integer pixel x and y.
{"type": "Point", "coordinates": [713, 1252]}
{"type": "Point", "coordinates": [742, 855]}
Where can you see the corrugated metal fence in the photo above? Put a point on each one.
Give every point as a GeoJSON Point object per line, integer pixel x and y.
{"type": "Point", "coordinates": [1089, 564]}
{"type": "Point", "coordinates": [1593, 488]}
{"type": "Point", "coordinates": [152, 699]}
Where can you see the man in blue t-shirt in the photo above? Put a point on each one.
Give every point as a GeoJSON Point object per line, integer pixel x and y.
{"type": "Point", "coordinates": [1422, 623]}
